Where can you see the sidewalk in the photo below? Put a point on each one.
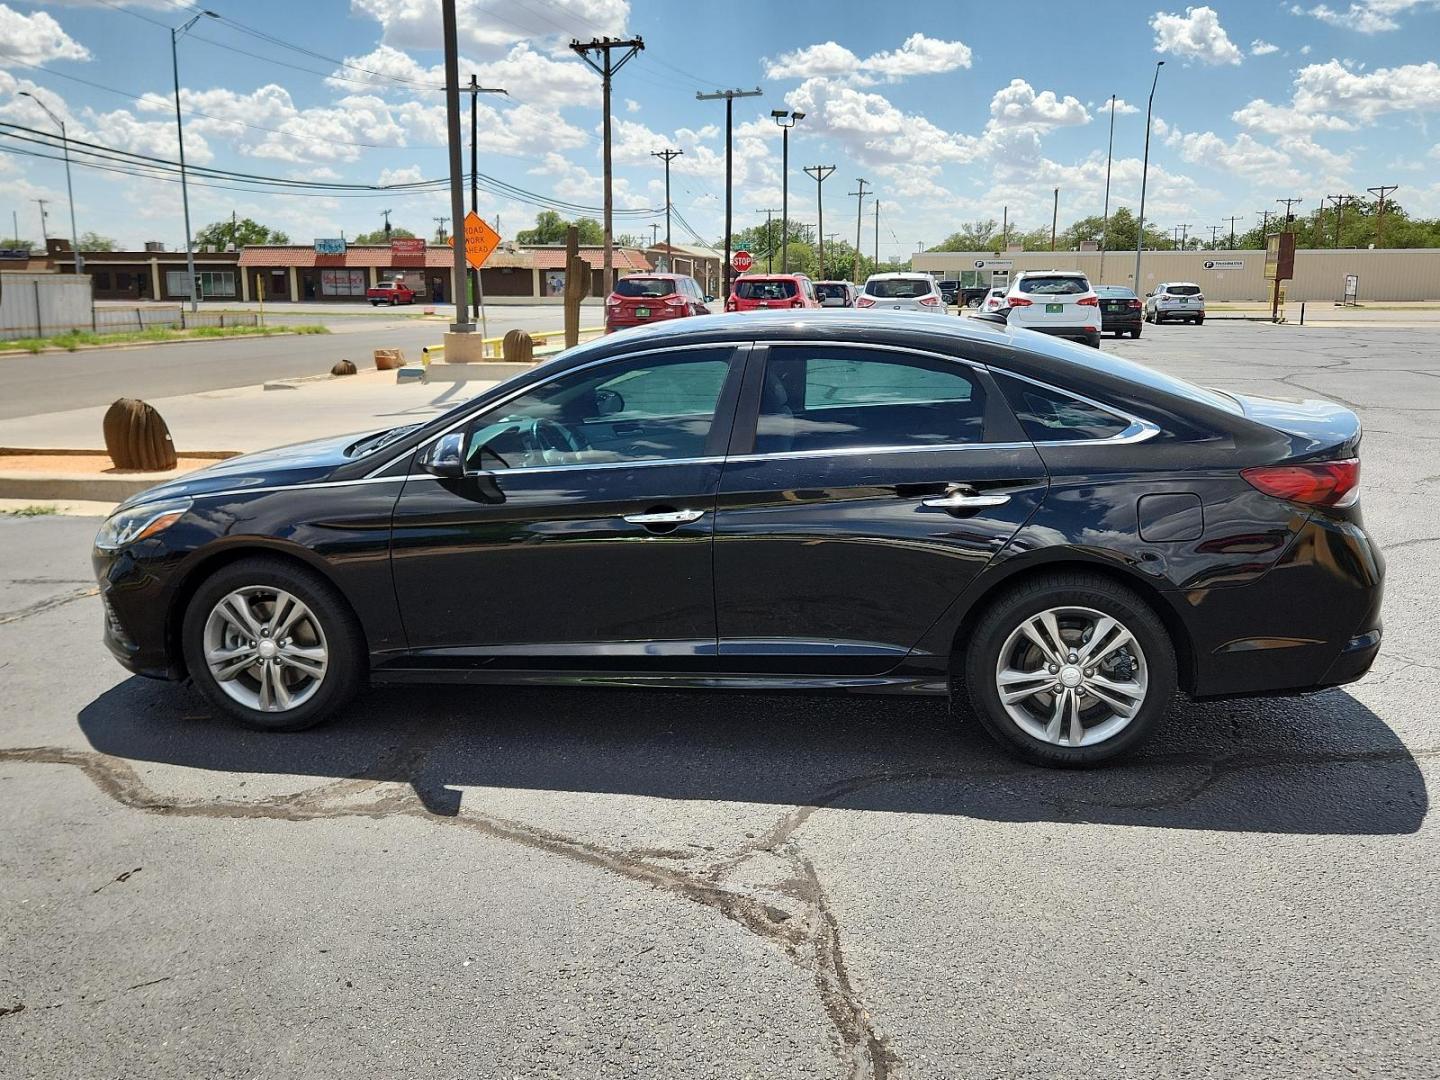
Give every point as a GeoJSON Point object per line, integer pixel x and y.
{"type": "Point", "coordinates": [253, 418]}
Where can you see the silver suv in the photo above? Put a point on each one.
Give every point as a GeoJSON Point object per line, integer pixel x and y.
{"type": "Point", "coordinates": [1177, 301]}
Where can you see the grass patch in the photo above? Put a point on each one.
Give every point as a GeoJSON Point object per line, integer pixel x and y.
{"type": "Point", "coordinates": [77, 339]}
{"type": "Point", "coordinates": [35, 510]}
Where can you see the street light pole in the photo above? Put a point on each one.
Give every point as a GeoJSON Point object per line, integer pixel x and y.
{"type": "Point", "coordinates": [1145, 175]}
{"type": "Point", "coordinates": [729, 97]}
{"type": "Point", "coordinates": [1105, 221]}
{"type": "Point", "coordinates": [175, 34]}
{"type": "Point", "coordinates": [69, 189]}
{"type": "Point", "coordinates": [820, 172]}
{"type": "Point", "coordinates": [780, 116]}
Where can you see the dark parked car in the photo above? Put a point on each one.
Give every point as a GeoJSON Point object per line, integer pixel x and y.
{"type": "Point", "coordinates": [1121, 311]}
{"type": "Point", "coordinates": [949, 291]}
{"type": "Point", "coordinates": [972, 296]}
{"type": "Point", "coordinates": [799, 500]}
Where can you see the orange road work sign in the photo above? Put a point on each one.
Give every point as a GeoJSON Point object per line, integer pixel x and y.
{"type": "Point", "coordinates": [480, 240]}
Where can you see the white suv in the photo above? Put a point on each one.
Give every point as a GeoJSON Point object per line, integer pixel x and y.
{"type": "Point", "coordinates": [1179, 300]}
{"type": "Point", "coordinates": [902, 292]}
{"type": "Point", "coordinates": [1058, 302]}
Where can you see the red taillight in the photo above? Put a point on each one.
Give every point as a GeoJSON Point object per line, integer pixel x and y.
{"type": "Point", "coordinates": [676, 301]}
{"type": "Point", "coordinates": [1135, 304]}
{"type": "Point", "coordinates": [612, 300]}
{"type": "Point", "coordinates": [1089, 301]}
{"type": "Point", "coordinates": [1018, 301]}
{"type": "Point", "coordinates": [864, 301]}
{"type": "Point", "coordinates": [1322, 483]}
{"type": "Point", "coordinates": [929, 301]}
{"type": "Point", "coordinates": [730, 303]}
{"type": "Point", "coordinates": [1200, 298]}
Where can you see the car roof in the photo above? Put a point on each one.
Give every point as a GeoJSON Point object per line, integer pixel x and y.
{"type": "Point", "coordinates": [1190, 283]}
{"type": "Point", "coordinates": [1052, 273]}
{"type": "Point", "coordinates": [891, 275]}
{"type": "Point", "coordinates": [1115, 289]}
{"type": "Point", "coordinates": [770, 277]}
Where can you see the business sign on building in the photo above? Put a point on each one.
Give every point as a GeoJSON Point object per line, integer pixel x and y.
{"type": "Point", "coordinates": [330, 246]}
{"type": "Point", "coordinates": [407, 245]}
{"type": "Point", "coordinates": [1224, 264]}
{"type": "Point", "coordinates": [994, 264]}
{"type": "Point", "coordinates": [15, 254]}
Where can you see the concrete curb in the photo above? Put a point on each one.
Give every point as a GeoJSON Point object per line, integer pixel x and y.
{"type": "Point", "coordinates": [6, 353]}
{"type": "Point", "coordinates": [39, 487]}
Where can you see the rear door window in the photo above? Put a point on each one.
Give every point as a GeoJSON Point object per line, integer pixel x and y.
{"type": "Point", "coordinates": [1184, 290]}
{"type": "Point", "coordinates": [643, 287]}
{"type": "Point", "coordinates": [899, 288]}
{"type": "Point", "coordinates": [817, 398]}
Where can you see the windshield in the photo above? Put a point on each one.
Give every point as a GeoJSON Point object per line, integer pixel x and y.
{"type": "Point", "coordinates": [1053, 286]}
{"type": "Point", "coordinates": [1118, 292]}
{"type": "Point", "coordinates": [899, 288]}
{"type": "Point", "coordinates": [1183, 290]}
{"type": "Point", "coordinates": [644, 286]}
{"type": "Point", "coordinates": [764, 289]}
{"type": "Point", "coordinates": [830, 291]}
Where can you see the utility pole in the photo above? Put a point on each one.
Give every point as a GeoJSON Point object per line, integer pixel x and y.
{"type": "Point", "coordinates": [475, 91]}
{"type": "Point", "coordinates": [1054, 218]}
{"type": "Point", "coordinates": [1214, 232]}
{"type": "Point", "coordinates": [1145, 176]}
{"type": "Point", "coordinates": [667, 156]}
{"type": "Point", "coordinates": [1105, 220]}
{"type": "Point", "coordinates": [1265, 216]}
{"type": "Point", "coordinates": [386, 215]}
{"type": "Point", "coordinates": [780, 116]}
{"type": "Point", "coordinates": [1004, 228]}
{"type": "Point", "coordinates": [44, 232]}
{"type": "Point", "coordinates": [1339, 201]}
{"type": "Point", "coordinates": [440, 232]}
{"type": "Point", "coordinates": [1184, 235]}
{"type": "Point", "coordinates": [1232, 219]}
{"type": "Point", "coordinates": [606, 70]}
{"type": "Point", "coordinates": [1288, 203]}
{"type": "Point", "coordinates": [820, 172]}
{"type": "Point", "coordinates": [1383, 191]}
{"type": "Point", "coordinates": [769, 243]}
{"type": "Point", "coordinates": [69, 189]}
{"type": "Point", "coordinates": [655, 234]}
{"type": "Point", "coordinates": [729, 97]}
{"type": "Point", "coordinates": [175, 35]}
{"type": "Point", "coordinates": [877, 236]}
{"type": "Point", "coordinates": [859, 209]}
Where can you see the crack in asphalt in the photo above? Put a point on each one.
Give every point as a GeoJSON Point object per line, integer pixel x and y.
{"type": "Point", "coordinates": [1409, 543]}
{"type": "Point", "coordinates": [48, 604]}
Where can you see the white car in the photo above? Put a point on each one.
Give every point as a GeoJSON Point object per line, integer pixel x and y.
{"type": "Point", "coordinates": [901, 292]}
{"type": "Point", "coordinates": [1059, 302]}
{"type": "Point", "coordinates": [994, 300]}
{"type": "Point", "coordinates": [1178, 300]}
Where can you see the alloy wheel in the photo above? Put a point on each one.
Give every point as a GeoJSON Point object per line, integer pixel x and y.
{"type": "Point", "coordinates": [1072, 676]}
{"type": "Point", "coordinates": [265, 648]}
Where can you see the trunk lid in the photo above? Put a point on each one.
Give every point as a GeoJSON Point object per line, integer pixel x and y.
{"type": "Point", "coordinates": [1318, 430]}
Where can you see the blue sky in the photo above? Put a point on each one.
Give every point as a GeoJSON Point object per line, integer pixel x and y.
{"type": "Point", "coordinates": [950, 111]}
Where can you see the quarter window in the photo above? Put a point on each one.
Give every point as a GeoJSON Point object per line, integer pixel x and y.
{"type": "Point", "coordinates": [1052, 416]}
{"type": "Point", "coordinates": [840, 398]}
{"type": "Point", "coordinates": [649, 408]}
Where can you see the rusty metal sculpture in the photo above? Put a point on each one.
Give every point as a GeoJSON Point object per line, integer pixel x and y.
{"type": "Point", "coordinates": [136, 437]}
{"type": "Point", "coordinates": [343, 367]}
{"type": "Point", "coordinates": [577, 285]}
{"type": "Point", "coordinates": [518, 348]}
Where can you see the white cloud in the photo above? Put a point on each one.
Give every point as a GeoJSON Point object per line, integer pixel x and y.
{"type": "Point", "coordinates": [872, 129]}
{"type": "Point", "coordinates": [631, 105]}
{"type": "Point", "coordinates": [1018, 106]}
{"type": "Point", "coordinates": [1196, 35]}
{"type": "Point", "coordinates": [917, 55]}
{"type": "Point", "coordinates": [35, 39]}
{"type": "Point", "coordinates": [1330, 87]}
{"type": "Point", "coordinates": [490, 27]}
{"type": "Point", "coordinates": [1262, 48]}
{"type": "Point", "coordinates": [1261, 115]}
{"type": "Point", "coordinates": [1365, 16]}
{"type": "Point", "coordinates": [1124, 108]}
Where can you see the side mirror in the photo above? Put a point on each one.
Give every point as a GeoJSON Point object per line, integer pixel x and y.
{"type": "Point", "coordinates": [445, 457]}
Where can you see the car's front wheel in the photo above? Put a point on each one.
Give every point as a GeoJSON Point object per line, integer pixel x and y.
{"type": "Point", "coordinates": [1070, 670]}
{"type": "Point", "coordinates": [272, 644]}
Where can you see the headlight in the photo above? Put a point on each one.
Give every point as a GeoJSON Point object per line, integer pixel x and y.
{"type": "Point", "coordinates": [137, 523]}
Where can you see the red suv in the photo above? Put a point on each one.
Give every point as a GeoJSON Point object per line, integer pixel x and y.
{"type": "Point", "coordinates": [756, 292]}
{"type": "Point", "coordinates": [645, 298]}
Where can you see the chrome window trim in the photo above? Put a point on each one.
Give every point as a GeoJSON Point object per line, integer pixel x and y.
{"type": "Point", "coordinates": [296, 487]}
{"type": "Point", "coordinates": [527, 469]}
{"type": "Point", "coordinates": [467, 417]}
{"type": "Point", "coordinates": [1139, 428]}
{"type": "Point", "coordinates": [855, 451]}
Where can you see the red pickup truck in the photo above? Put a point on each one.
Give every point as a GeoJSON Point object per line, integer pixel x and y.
{"type": "Point", "coordinates": [392, 293]}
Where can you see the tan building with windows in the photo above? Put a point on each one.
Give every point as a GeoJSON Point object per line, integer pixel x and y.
{"type": "Point", "coordinates": [1388, 274]}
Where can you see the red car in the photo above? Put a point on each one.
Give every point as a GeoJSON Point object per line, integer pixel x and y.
{"type": "Point", "coordinates": [756, 292]}
{"type": "Point", "coordinates": [645, 298]}
{"type": "Point", "coordinates": [390, 292]}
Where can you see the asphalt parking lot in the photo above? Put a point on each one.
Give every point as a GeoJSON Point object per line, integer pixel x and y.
{"type": "Point", "coordinates": [562, 883]}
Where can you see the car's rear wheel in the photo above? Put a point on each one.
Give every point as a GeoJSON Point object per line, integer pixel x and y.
{"type": "Point", "coordinates": [272, 644]}
{"type": "Point", "coordinates": [1135, 333]}
{"type": "Point", "coordinates": [1070, 670]}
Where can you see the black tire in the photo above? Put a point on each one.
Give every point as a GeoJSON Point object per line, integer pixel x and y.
{"type": "Point", "coordinates": [394, 300]}
{"type": "Point", "coordinates": [1200, 321]}
{"type": "Point", "coordinates": [374, 303]}
{"type": "Point", "coordinates": [1056, 590]}
{"type": "Point", "coordinates": [347, 661]}
{"type": "Point", "coordinates": [1093, 340]}
{"type": "Point", "coordinates": [1135, 333]}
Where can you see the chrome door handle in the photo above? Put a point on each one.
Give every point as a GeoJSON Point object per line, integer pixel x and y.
{"type": "Point", "coordinates": [669, 517]}
{"type": "Point", "coordinates": [959, 500]}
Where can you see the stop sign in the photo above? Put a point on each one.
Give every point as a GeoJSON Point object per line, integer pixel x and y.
{"type": "Point", "coordinates": [741, 261]}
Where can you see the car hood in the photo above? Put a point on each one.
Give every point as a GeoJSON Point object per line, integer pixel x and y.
{"type": "Point", "coordinates": [298, 463]}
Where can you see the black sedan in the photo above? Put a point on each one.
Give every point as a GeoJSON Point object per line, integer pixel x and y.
{"type": "Point", "coordinates": [1121, 311]}
{"type": "Point", "coordinates": [805, 501]}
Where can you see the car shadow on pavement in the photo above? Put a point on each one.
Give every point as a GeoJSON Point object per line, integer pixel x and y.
{"type": "Point", "coordinates": [1319, 765]}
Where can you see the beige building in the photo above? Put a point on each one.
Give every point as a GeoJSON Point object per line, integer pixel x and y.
{"type": "Point", "coordinates": [1390, 274]}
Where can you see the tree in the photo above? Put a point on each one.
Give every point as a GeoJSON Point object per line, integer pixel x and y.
{"type": "Point", "coordinates": [92, 241]}
{"type": "Point", "coordinates": [978, 235]}
{"type": "Point", "coordinates": [245, 232]}
{"type": "Point", "coordinates": [550, 229]}
{"type": "Point", "coordinates": [379, 236]}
